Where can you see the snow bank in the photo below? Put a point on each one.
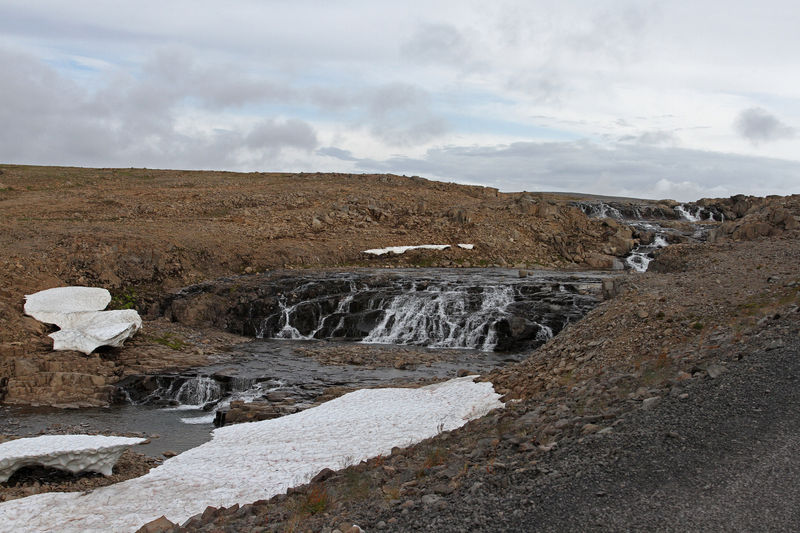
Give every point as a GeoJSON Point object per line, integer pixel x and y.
{"type": "Point", "coordinates": [258, 460]}
{"type": "Point", "coordinates": [78, 312]}
{"type": "Point", "coordinates": [73, 453]}
{"type": "Point", "coordinates": [404, 249]}
{"type": "Point", "coordinates": [51, 306]}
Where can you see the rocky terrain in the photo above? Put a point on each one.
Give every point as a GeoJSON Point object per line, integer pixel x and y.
{"type": "Point", "coordinates": [141, 233]}
{"type": "Point", "coordinates": [656, 343]}
{"type": "Point", "coordinates": [663, 374]}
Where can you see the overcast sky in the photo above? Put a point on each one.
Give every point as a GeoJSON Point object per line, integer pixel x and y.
{"type": "Point", "coordinates": [679, 99]}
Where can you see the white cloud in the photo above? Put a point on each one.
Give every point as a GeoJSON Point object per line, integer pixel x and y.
{"type": "Point", "coordinates": [447, 87]}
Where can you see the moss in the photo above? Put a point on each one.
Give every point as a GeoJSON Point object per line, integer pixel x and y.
{"type": "Point", "coordinates": [170, 341]}
{"type": "Point", "coordinates": [125, 299]}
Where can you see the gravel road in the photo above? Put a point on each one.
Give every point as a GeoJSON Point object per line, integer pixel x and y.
{"type": "Point", "coordinates": [715, 455]}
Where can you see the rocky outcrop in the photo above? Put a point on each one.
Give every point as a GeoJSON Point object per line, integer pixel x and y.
{"type": "Point", "coordinates": [752, 218]}
{"type": "Point", "coordinates": [430, 309]}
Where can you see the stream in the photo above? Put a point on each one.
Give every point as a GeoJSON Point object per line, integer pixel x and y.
{"type": "Point", "coordinates": [402, 327]}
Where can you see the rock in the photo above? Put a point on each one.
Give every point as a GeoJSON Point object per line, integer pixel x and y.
{"type": "Point", "coordinates": [159, 525]}
{"type": "Point", "coordinates": [169, 453]}
{"type": "Point", "coordinates": [774, 345]}
{"type": "Point", "coordinates": [649, 403]}
{"type": "Point", "coordinates": [714, 370]}
{"type": "Point", "coordinates": [589, 428]}
{"type": "Point", "coordinates": [610, 288]}
{"type": "Point", "coordinates": [323, 475]}
{"type": "Point", "coordinates": [641, 313]}
{"type": "Point", "coordinates": [431, 499]}
{"type": "Point", "coordinates": [600, 261]}
{"type": "Point", "coordinates": [72, 453]}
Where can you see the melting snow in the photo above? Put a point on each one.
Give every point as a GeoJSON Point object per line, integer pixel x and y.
{"type": "Point", "coordinates": [257, 460]}
{"type": "Point", "coordinates": [78, 312]}
{"type": "Point", "coordinates": [73, 453]}
{"type": "Point", "coordinates": [404, 249]}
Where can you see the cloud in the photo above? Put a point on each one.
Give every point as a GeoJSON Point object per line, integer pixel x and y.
{"type": "Point", "coordinates": [653, 138]}
{"type": "Point", "coordinates": [438, 44]}
{"type": "Point", "coordinates": [47, 119]}
{"type": "Point", "coordinates": [338, 153]}
{"type": "Point", "coordinates": [635, 170]}
{"type": "Point", "coordinates": [400, 114]}
{"type": "Point", "coordinates": [758, 125]}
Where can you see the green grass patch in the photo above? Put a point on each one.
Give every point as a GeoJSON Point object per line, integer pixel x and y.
{"type": "Point", "coordinates": [170, 340]}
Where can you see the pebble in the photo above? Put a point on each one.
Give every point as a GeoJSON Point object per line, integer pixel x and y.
{"type": "Point", "coordinates": [431, 499]}
{"type": "Point", "coordinates": [714, 371]}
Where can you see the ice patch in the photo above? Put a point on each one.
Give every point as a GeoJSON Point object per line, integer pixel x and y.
{"type": "Point", "coordinates": [404, 249]}
{"type": "Point", "coordinates": [257, 460]}
{"type": "Point", "coordinates": [52, 305]}
{"type": "Point", "coordinates": [78, 312]}
{"type": "Point", "coordinates": [73, 453]}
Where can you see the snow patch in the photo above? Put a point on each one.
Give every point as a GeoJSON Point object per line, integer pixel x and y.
{"type": "Point", "coordinates": [51, 306]}
{"type": "Point", "coordinates": [257, 460]}
{"type": "Point", "coordinates": [404, 249]}
{"type": "Point", "coordinates": [73, 453]}
{"type": "Point", "coordinates": [466, 246]}
{"type": "Point", "coordinates": [78, 312]}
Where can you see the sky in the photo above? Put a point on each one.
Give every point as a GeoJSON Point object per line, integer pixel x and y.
{"type": "Point", "coordinates": [680, 99]}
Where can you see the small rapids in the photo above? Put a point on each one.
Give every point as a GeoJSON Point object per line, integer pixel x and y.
{"type": "Point", "coordinates": [443, 310]}
{"type": "Point", "coordinates": [443, 318]}
{"type": "Point", "coordinates": [651, 220]}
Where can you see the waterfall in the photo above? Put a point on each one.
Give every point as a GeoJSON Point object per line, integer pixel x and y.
{"type": "Point", "coordinates": [443, 317]}
{"type": "Point", "coordinates": [198, 391]}
{"type": "Point", "coordinates": [288, 331]}
{"type": "Point", "coordinates": [599, 210]}
{"type": "Point", "coordinates": [686, 214]}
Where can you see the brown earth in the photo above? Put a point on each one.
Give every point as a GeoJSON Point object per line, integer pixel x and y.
{"type": "Point", "coordinates": [142, 233]}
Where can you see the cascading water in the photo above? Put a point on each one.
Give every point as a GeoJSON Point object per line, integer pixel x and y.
{"type": "Point", "coordinates": [442, 318]}
{"type": "Point", "coordinates": [198, 391]}
{"type": "Point", "coordinates": [438, 313]}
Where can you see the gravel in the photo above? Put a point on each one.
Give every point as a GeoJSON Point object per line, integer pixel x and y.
{"type": "Point", "coordinates": [724, 458]}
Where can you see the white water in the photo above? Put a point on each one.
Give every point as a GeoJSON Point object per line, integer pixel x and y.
{"type": "Point", "coordinates": [683, 212]}
{"type": "Point", "coordinates": [443, 314]}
